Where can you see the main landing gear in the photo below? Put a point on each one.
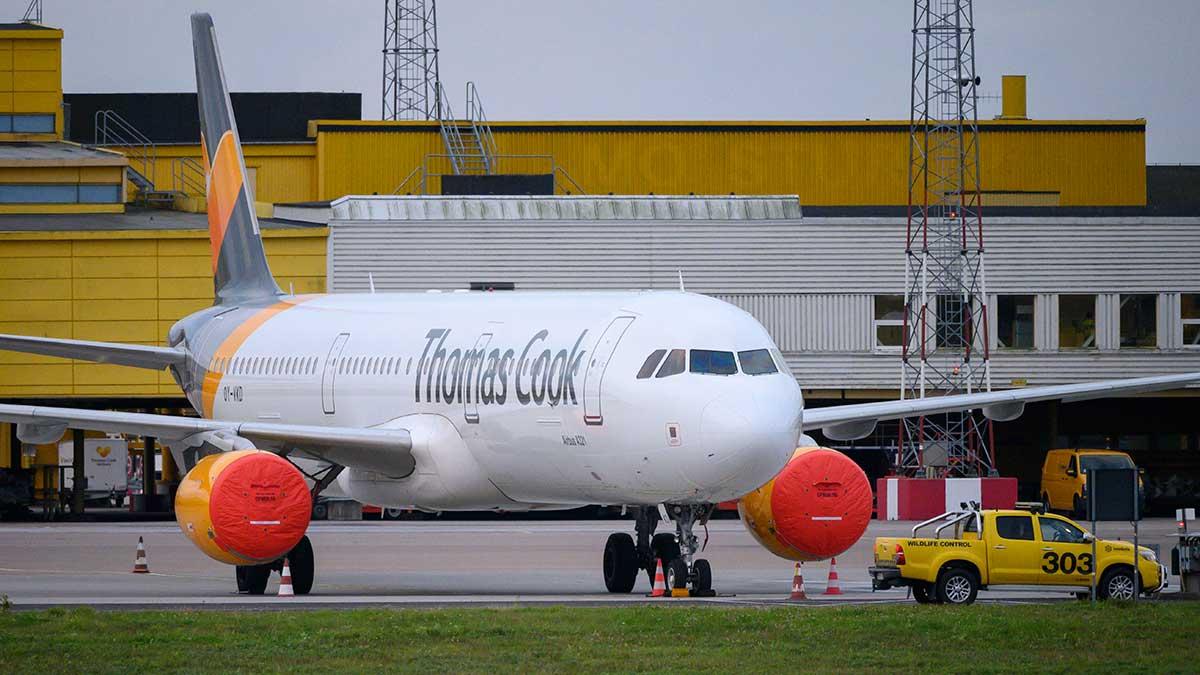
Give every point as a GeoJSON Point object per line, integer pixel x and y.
{"type": "Point", "coordinates": [252, 579]}
{"type": "Point", "coordinates": [623, 558]}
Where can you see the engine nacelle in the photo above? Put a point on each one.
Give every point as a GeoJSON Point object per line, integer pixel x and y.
{"type": "Point", "coordinates": [816, 508]}
{"type": "Point", "coordinates": [246, 507]}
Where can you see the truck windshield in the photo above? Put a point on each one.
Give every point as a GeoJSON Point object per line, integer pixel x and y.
{"type": "Point", "coordinates": [1057, 530]}
{"type": "Point", "coordinates": [1105, 462]}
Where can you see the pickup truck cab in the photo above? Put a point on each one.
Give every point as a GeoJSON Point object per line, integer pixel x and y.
{"type": "Point", "coordinates": [990, 548]}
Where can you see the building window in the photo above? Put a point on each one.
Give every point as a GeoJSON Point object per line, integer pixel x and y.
{"type": "Point", "coordinates": [1139, 321]}
{"type": "Point", "coordinates": [954, 318]}
{"type": "Point", "coordinates": [27, 124]}
{"type": "Point", "coordinates": [1189, 304]}
{"type": "Point", "coordinates": [99, 194]}
{"type": "Point", "coordinates": [1077, 321]}
{"type": "Point", "coordinates": [17, 193]}
{"type": "Point", "coordinates": [1014, 322]}
{"type": "Point", "coordinates": [889, 321]}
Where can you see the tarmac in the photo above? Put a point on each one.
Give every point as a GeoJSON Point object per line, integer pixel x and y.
{"type": "Point", "coordinates": [436, 563]}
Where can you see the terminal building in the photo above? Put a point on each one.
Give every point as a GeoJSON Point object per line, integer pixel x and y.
{"type": "Point", "coordinates": [1090, 263]}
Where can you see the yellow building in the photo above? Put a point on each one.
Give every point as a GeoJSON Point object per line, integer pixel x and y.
{"type": "Point", "coordinates": [39, 172]}
{"type": "Point", "coordinates": [1056, 163]}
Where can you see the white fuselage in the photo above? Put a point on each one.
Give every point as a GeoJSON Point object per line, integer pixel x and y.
{"type": "Point", "coordinates": [521, 400]}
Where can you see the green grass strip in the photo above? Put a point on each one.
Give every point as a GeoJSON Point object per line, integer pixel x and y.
{"type": "Point", "coordinates": [1060, 637]}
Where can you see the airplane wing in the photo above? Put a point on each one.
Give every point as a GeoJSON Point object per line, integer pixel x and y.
{"type": "Point", "coordinates": [854, 421]}
{"type": "Point", "coordinates": [386, 451]}
{"type": "Point", "coordinates": [138, 356]}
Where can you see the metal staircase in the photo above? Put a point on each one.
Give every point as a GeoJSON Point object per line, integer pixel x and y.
{"type": "Point", "coordinates": [469, 142]}
{"type": "Point", "coordinates": [113, 130]}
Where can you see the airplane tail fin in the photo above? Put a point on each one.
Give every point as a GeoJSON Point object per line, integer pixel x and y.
{"type": "Point", "coordinates": [240, 271]}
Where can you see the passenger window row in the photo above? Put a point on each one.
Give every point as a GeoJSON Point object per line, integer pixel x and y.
{"type": "Point", "coordinates": [266, 365]}
{"type": "Point", "coordinates": [308, 365]}
{"type": "Point", "coordinates": [706, 362]}
{"type": "Point", "coordinates": [370, 365]}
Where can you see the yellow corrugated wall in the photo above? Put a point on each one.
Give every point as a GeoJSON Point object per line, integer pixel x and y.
{"type": "Point", "coordinates": [285, 172]}
{"type": "Point", "coordinates": [840, 164]}
{"type": "Point", "coordinates": [125, 286]}
{"type": "Point", "coordinates": [31, 77]}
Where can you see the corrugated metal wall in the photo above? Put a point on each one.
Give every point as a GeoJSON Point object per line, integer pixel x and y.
{"type": "Point", "coordinates": [284, 172]}
{"type": "Point", "coordinates": [419, 243]}
{"type": "Point", "coordinates": [120, 286]}
{"type": "Point", "coordinates": [826, 163]}
{"type": "Point", "coordinates": [810, 281]}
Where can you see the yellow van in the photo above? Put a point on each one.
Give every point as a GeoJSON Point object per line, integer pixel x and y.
{"type": "Point", "coordinates": [1064, 477]}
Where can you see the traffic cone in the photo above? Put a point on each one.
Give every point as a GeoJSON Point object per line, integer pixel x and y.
{"type": "Point", "coordinates": [798, 585]}
{"type": "Point", "coordinates": [833, 587]}
{"type": "Point", "coordinates": [660, 582]}
{"type": "Point", "coordinates": [285, 580]}
{"type": "Point", "coordinates": [139, 563]}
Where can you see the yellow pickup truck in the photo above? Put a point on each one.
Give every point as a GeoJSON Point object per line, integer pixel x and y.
{"type": "Point", "coordinates": [983, 549]}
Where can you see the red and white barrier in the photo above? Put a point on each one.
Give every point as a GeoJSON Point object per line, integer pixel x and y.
{"type": "Point", "coordinates": [921, 498]}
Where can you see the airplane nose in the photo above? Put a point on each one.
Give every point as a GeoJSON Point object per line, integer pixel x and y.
{"type": "Point", "coordinates": [748, 438]}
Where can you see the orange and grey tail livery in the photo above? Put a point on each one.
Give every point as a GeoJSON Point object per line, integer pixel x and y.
{"type": "Point", "coordinates": [240, 272]}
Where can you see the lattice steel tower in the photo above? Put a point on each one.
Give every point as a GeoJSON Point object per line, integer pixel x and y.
{"type": "Point", "coordinates": [410, 60]}
{"type": "Point", "coordinates": [945, 348]}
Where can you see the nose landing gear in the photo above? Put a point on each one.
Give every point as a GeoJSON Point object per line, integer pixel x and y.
{"type": "Point", "coordinates": [623, 557]}
{"type": "Point", "coordinates": [252, 579]}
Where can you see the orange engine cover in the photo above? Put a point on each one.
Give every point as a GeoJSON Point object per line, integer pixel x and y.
{"type": "Point", "coordinates": [243, 508]}
{"type": "Point", "coordinates": [816, 508]}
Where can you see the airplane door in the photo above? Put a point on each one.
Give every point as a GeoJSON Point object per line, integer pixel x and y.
{"type": "Point", "coordinates": [594, 377]}
{"type": "Point", "coordinates": [330, 374]}
{"type": "Point", "coordinates": [470, 393]}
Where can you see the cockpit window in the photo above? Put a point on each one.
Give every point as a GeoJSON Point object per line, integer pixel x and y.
{"type": "Point", "coordinates": [709, 362]}
{"type": "Point", "coordinates": [782, 363]}
{"type": "Point", "coordinates": [650, 364]}
{"type": "Point", "coordinates": [673, 364]}
{"type": "Point", "coordinates": [757, 362]}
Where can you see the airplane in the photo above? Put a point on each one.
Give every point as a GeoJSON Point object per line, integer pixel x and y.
{"type": "Point", "coordinates": [662, 402]}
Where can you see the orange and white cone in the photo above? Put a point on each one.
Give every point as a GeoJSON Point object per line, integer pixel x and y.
{"type": "Point", "coordinates": [834, 587]}
{"type": "Point", "coordinates": [285, 580]}
{"type": "Point", "coordinates": [798, 585]}
{"type": "Point", "coordinates": [660, 582]}
{"type": "Point", "coordinates": [139, 563]}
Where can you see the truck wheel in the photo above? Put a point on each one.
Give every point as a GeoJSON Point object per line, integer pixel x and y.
{"type": "Point", "coordinates": [957, 586]}
{"type": "Point", "coordinates": [1046, 502]}
{"type": "Point", "coordinates": [1117, 584]}
{"type": "Point", "coordinates": [923, 593]}
{"type": "Point", "coordinates": [1078, 510]}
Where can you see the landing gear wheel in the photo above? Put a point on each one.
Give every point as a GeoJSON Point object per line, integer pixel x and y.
{"type": "Point", "coordinates": [957, 586]}
{"type": "Point", "coordinates": [1117, 584]}
{"type": "Point", "coordinates": [923, 594]}
{"type": "Point", "coordinates": [677, 574]}
{"type": "Point", "coordinates": [620, 563]}
{"type": "Point", "coordinates": [252, 579]}
{"type": "Point", "coordinates": [702, 583]}
{"type": "Point", "coordinates": [665, 548]}
{"type": "Point", "coordinates": [302, 564]}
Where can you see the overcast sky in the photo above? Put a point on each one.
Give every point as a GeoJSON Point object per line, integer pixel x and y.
{"type": "Point", "coordinates": [645, 59]}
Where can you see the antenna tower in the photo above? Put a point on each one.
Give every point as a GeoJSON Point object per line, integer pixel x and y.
{"type": "Point", "coordinates": [945, 347]}
{"type": "Point", "coordinates": [410, 60]}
